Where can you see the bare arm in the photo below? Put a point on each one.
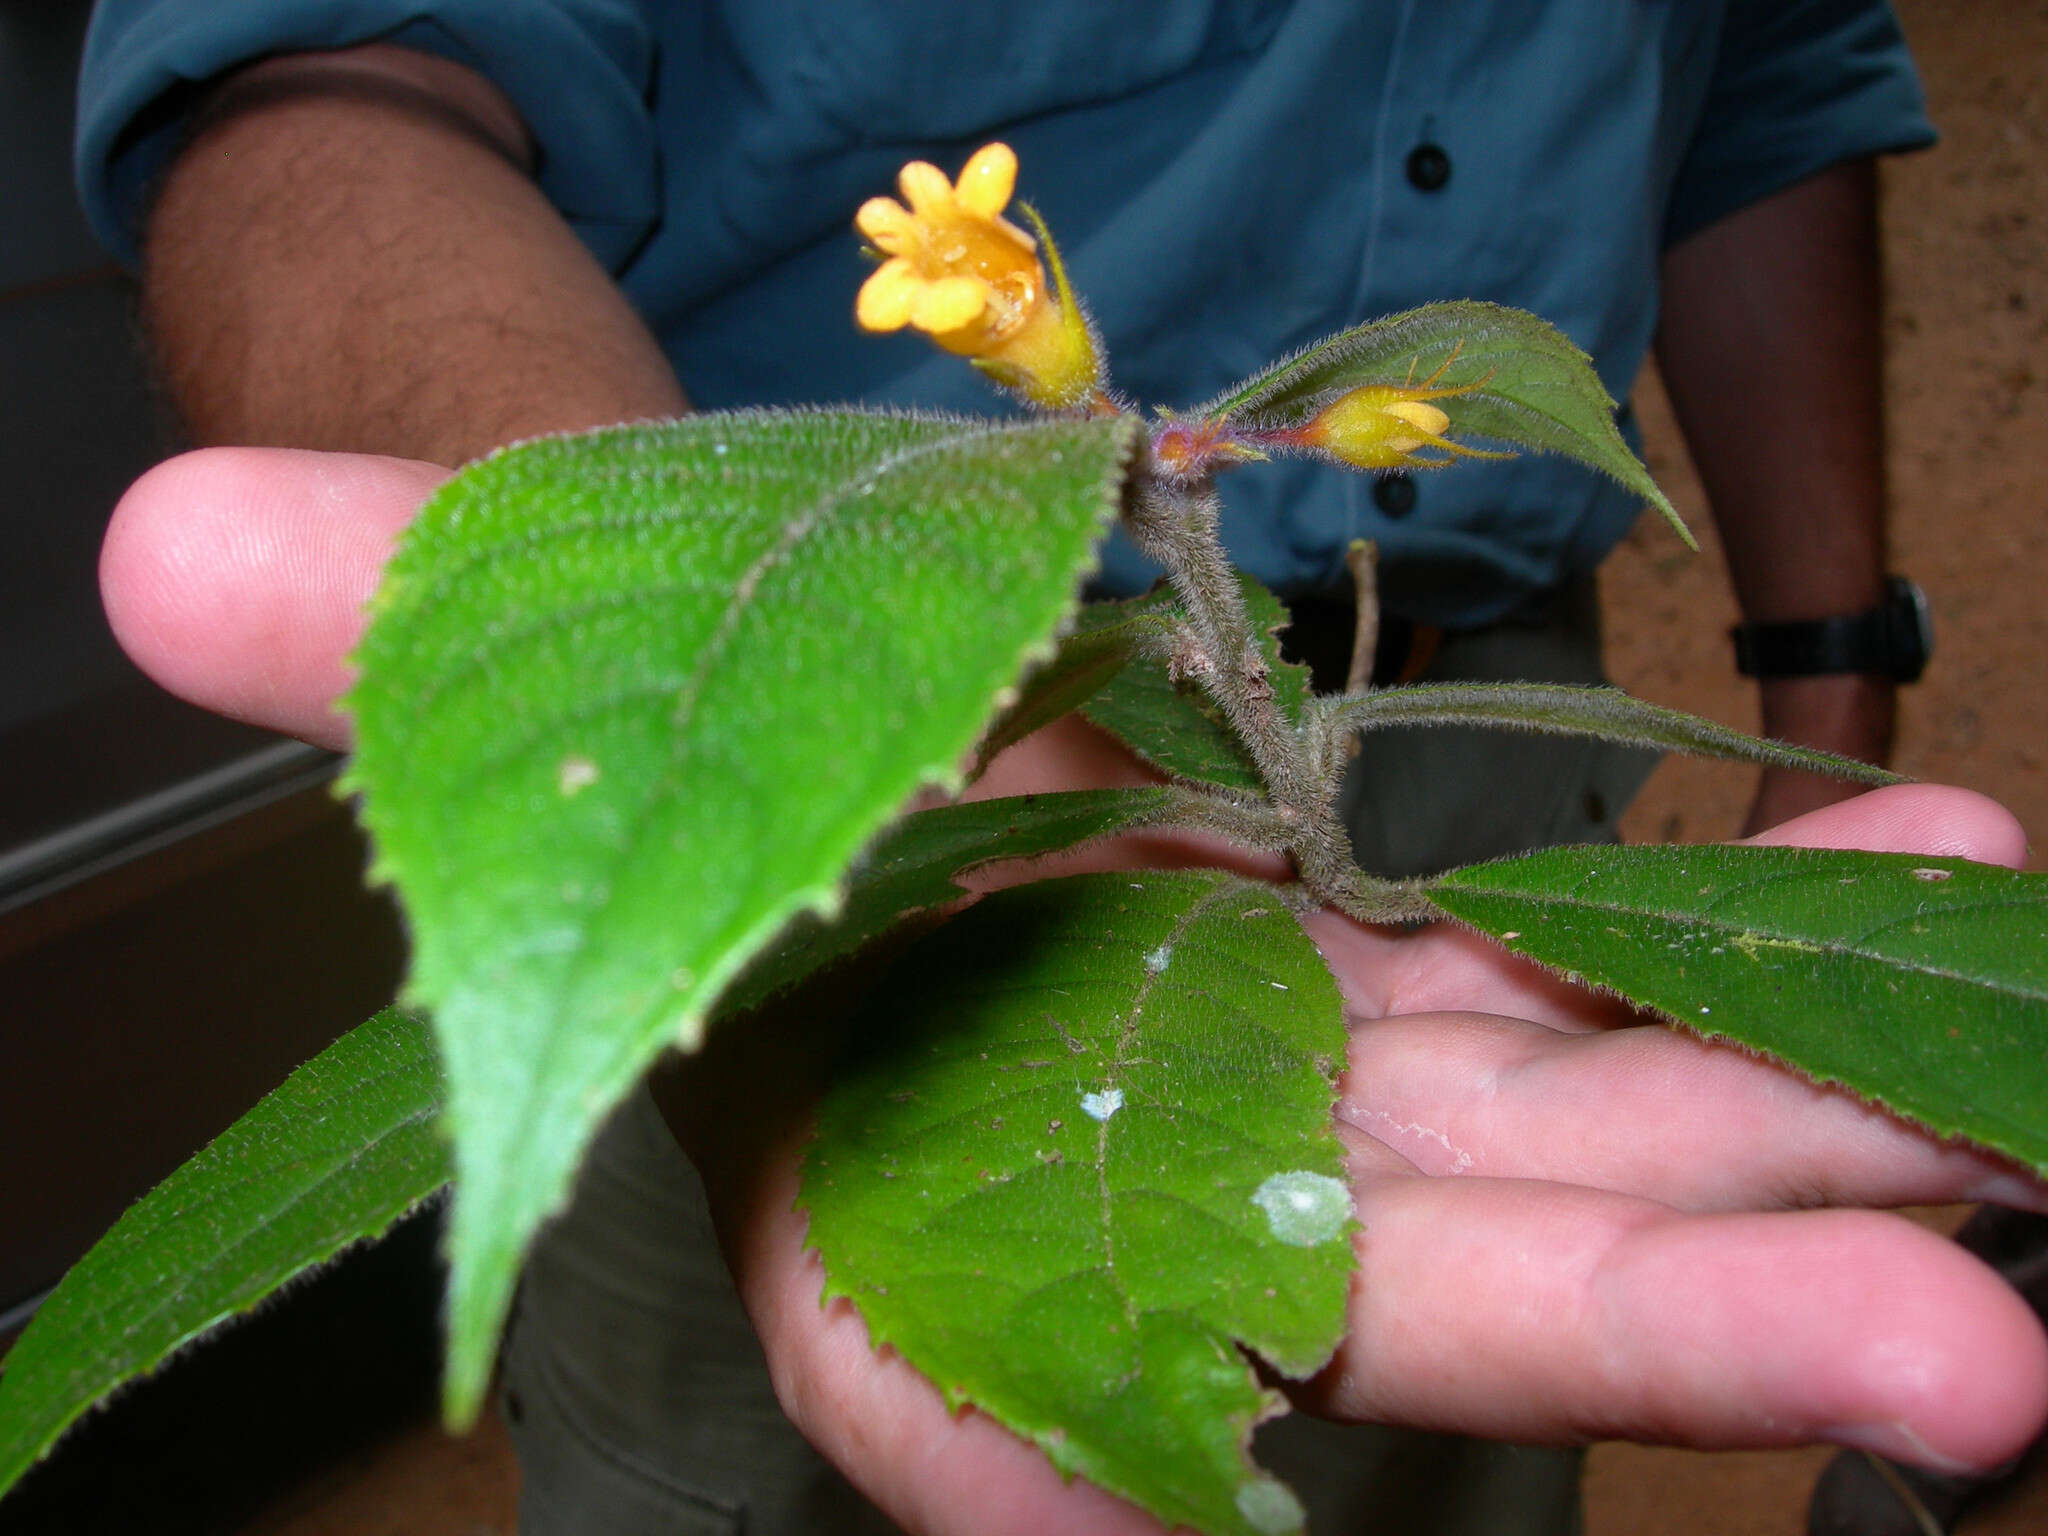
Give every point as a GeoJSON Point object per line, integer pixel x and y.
{"type": "Point", "coordinates": [1770, 348]}
{"type": "Point", "coordinates": [352, 255]}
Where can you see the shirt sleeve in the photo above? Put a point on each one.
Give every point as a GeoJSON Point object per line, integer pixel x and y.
{"type": "Point", "coordinates": [579, 71]}
{"type": "Point", "coordinates": [1798, 86]}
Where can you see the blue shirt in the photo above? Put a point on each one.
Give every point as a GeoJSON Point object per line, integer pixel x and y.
{"type": "Point", "coordinates": [1228, 179]}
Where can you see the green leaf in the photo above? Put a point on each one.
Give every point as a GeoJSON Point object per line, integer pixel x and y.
{"type": "Point", "coordinates": [1528, 385]}
{"type": "Point", "coordinates": [1087, 1148]}
{"type": "Point", "coordinates": [914, 864]}
{"type": "Point", "coordinates": [1919, 982]}
{"type": "Point", "coordinates": [1085, 661]}
{"type": "Point", "coordinates": [1562, 709]}
{"type": "Point", "coordinates": [1174, 725]}
{"type": "Point", "coordinates": [631, 700]}
{"type": "Point", "coordinates": [335, 1155]}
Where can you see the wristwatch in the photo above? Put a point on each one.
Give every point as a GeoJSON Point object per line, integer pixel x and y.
{"type": "Point", "coordinates": [1891, 640]}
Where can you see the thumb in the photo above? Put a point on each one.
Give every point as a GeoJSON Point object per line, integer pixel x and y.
{"type": "Point", "coordinates": [237, 577]}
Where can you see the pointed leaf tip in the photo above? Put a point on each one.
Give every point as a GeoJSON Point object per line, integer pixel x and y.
{"type": "Point", "coordinates": [631, 700]}
{"type": "Point", "coordinates": [1498, 373]}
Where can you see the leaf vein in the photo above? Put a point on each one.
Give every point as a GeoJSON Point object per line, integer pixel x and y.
{"type": "Point", "coordinates": [178, 1291]}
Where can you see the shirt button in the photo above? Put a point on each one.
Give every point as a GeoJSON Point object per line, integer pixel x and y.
{"type": "Point", "coordinates": [1394, 494]}
{"type": "Point", "coordinates": [1428, 167]}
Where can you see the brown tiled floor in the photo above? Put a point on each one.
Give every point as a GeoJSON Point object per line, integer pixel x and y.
{"type": "Point", "coordinates": [421, 1484]}
{"type": "Point", "coordinates": [427, 1485]}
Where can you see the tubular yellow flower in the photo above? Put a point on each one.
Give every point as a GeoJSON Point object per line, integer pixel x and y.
{"type": "Point", "coordinates": [956, 269]}
{"type": "Point", "coordinates": [1385, 426]}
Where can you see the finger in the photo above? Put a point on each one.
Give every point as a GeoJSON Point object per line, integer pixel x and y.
{"type": "Point", "coordinates": [1645, 1111]}
{"type": "Point", "coordinates": [1443, 967]}
{"type": "Point", "coordinates": [236, 577]}
{"type": "Point", "coordinates": [1934, 819]}
{"type": "Point", "coordinates": [1389, 971]}
{"type": "Point", "coordinates": [1540, 1312]}
{"type": "Point", "coordinates": [882, 1424]}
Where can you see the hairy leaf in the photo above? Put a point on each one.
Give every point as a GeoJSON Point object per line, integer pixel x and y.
{"type": "Point", "coordinates": [1084, 662]}
{"type": "Point", "coordinates": [1526, 383]}
{"type": "Point", "coordinates": [1562, 709]}
{"type": "Point", "coordinates": [914, 864]}
{"type": "Point", "coordinates": [1919, 982]}
{"type": "Point", "coordinates": [631, 700]}
{"type": "Point", "coordinates": [335, 1155]}
{"type": "Point", "coordinates": [1175, 726]}
{"type": "Point", "coordinates": [1087, 1148]}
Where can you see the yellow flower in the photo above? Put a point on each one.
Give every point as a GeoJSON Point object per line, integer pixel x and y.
{"type": "Point", "coordinates": [1385, 426]}
{"type": "Point", "coordinates": [956, 269]}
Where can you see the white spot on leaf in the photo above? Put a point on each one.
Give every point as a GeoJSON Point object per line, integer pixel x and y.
{"type": "Point", "coordinates": [1932, 874]}
{"type": "Point", "coordinates": [574, 775]}
{"type": "Point", "coordinates": [1159, 959]}
{"type": "Point", "coordinates": [1269, 1507]}
{"type": "Point", "coordinates": [1303, 1208]}
{"type": "Point", "coordinates": [1100, 1106]}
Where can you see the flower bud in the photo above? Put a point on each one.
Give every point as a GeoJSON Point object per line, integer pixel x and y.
{"type": "Point", "coordinates": [1388, 426]}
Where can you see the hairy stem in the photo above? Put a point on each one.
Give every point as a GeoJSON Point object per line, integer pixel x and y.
{"type": "Point", "coordinates": [1177, 524]}
{"type": "Point", "coordinates": [1362, 560]}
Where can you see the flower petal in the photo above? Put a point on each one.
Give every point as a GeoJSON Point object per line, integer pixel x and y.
{"type": "Point", "coordinates": [1021, 238]}
{"type": "Point", "coordinates": [949, 304]}
{"type": "Point", "coordinates": [987, 180]}
{"type": "Point", "coordinates": [888, 296]}
{"type": "Point", "coordinates": [1421, 415]}
{"type": "Point", "coordinates": [887, 223]}
{"type": "Point", "coordinates": [926, 189]}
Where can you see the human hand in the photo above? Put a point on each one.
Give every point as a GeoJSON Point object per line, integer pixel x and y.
{"type": "Point", "coordinates": [1574, 1225]}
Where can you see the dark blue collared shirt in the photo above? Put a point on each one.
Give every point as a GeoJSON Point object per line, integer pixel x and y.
{"type": "Point", "coordinates": [1228, 179]}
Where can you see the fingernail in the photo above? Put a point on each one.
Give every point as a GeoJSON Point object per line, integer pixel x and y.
{"type": "Point", "coordinates": [2013, 1189]}
{"type": "Point", "coordinates": [1895, 1442]}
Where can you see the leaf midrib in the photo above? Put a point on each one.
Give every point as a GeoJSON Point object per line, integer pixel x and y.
{"type": "Point", "coordinates": [167, 1300]}
{"type": "Point", "coordinates": [1806, 942]}
{"type": "Point", "coordinates": [794, 531]}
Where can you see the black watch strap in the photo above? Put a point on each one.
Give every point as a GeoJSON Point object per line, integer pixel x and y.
{"type": "Point", "coordinates": [1892, 640]}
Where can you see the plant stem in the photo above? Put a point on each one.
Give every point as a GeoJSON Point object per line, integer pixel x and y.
{"type": "Point", "coordinates": [1362, 560]}
{"type": "Point", "coordinates": [1176, 522]}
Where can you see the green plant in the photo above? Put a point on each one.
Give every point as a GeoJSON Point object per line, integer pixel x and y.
{"type": "Point", "coordinates": [637, 716]}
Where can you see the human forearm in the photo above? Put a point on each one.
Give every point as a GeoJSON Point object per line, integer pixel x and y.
{"type": "Point", "coordinates": [350, 255]}
{"type": "Point", "coordinates": [1770, 348]}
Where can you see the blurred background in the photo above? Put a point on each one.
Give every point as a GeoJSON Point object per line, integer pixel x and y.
{"type": "Point", "coordinates": [1966, 329]}
{"type": "Point", "coordinates": [182, 920]}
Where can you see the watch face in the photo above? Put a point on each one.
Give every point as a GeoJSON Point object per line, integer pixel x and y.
{"type": "Point", "coordinates": [1912, 629]}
